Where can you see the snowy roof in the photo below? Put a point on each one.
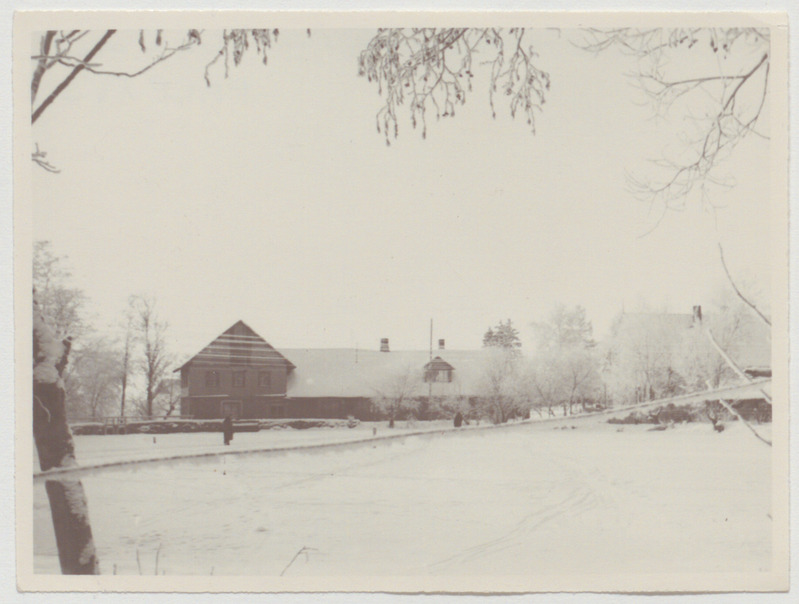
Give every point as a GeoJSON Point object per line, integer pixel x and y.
{"type": "Point", "coordinates": [347, 372]}
{"type": "Point", "coordinates": [239, 344]}
{"type": "Point", "coordinates": [749, 347]}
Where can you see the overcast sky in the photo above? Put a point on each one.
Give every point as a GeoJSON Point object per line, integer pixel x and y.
{"type": "Point", "coordinates": [270, 197]}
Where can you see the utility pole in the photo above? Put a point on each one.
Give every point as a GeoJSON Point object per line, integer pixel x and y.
{"type": "Point", "coordinates": [430, 373]}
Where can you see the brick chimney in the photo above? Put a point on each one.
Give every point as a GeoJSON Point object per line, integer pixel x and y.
{"type": "Point", "coordinates": [384, 345]}
{"type": "Point", "coordinates": [441, 344]}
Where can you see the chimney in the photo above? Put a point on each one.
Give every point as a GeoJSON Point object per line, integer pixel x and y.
{"type": "Point", "coordinates": [697, 320]}
{"type": "Point", "coordinates": [384, 345]}
{"type": "Point", "coordinates": [441, 344]}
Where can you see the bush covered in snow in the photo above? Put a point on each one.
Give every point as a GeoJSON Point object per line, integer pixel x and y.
{"type": "Point", "coordinates": [670, 413]}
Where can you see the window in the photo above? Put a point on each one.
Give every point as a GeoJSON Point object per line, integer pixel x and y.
{"type": "Point", "coordinates": [239, 379]}
{"type": "Point", "coordinates": [184, 378]}
{"type": "Point", "coordinates": [212, 379]}
{"type": "Point", "coordinates": [438, 375]}
{"type": "Point", "coordinates": [264, 379]}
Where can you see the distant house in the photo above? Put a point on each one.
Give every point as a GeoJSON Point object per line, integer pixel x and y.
{"type": "Point", "coordinates": [657, 355]}
{"type": "Point", "coordinates": [241, 374]}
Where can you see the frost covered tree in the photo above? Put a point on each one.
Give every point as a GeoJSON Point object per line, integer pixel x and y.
{"type": "Point", "coordinates": [503, 335]}
{"type": "Point", "coordinates": [430, 70]}
{"type": "Point", "coordinates": [398, 393]}
{"type": "Point", "coordinates": [644, 356]}
{"type": "Point", "coordinates": [61, 304]}
{"type": "Point", "coordinates": [56, 449]}
{"type": "Point", "coordinates": [501, 384]}
{"type": "Point", "coordinates": [565, 367]}
{"type": "Point", "coordinates": [731, 325]}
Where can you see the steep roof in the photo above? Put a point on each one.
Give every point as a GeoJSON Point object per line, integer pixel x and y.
{"type": "Point", "coordinates": [239, 344]}
{"type": "Point", "coordinates": [347, 372]}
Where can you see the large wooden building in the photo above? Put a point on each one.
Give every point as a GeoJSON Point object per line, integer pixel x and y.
{"type": "Point", "coordinates": [237, 374]}
{"type": "Point", "coordinates": [241, 374]}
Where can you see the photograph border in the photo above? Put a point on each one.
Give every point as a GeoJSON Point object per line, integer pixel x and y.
{"type": "Point", "coordinates": [25, 23]}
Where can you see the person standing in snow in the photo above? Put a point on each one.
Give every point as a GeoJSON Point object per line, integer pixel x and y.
{"type": "Point", "coordinates": [227, 428]}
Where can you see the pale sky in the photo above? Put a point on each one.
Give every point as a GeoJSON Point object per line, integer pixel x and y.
{"type": "Point", "coordinates": [270, 197]}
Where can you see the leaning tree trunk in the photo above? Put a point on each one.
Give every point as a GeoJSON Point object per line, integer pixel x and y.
{"type": "Point", "coordinates": [56, 449]}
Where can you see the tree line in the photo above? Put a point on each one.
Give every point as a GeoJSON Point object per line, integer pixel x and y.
{"type": "Point", "coordinates": [128, 374]}
{"type": "Point", "coordinates": [647, 355]}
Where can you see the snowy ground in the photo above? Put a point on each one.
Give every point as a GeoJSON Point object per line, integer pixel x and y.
{"type": "Point", "coordinates": [522, 500]}
{"type": "Point", "coordinates": [98, 450]}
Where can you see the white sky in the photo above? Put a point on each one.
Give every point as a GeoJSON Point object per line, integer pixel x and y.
{"type": "Point", "coordinates": [271, 198]}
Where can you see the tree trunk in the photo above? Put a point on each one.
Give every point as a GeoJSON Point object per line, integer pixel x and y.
{"type": "Point", "coordinates": [73, 533]}
{"type": "Point", "coordinates": [56, 449]}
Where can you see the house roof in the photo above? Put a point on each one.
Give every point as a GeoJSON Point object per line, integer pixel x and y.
{"type": "Point", "coordinates": [749, 347]}
{"type": "Point", "coordinates": [347, 372]}
{"type": "Point", "coordinates": [239, 344]}
{"type": "Point", "coordinates": [438, 364]}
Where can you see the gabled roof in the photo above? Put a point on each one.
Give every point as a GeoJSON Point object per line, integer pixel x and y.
{"type": "Point", "coordinates": [239, 344]}
{"type": "Point", "coordinates": [438, 364]}
{"type": "Point", "coordinates": [347, 372]}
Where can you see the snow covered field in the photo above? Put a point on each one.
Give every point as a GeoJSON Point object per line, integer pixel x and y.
{"type": "Point", "coordinates": [108, 449]}
{"type": "Point", "coordinates": [528, 499]}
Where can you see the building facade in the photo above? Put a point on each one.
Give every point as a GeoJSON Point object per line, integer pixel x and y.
{"type": "Point", "coordinates": [242, 375]}
{"type": "Point", "coordinates": [238, 374]}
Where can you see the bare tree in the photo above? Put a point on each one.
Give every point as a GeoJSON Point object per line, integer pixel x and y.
{"type": "Point", "coordinates": [715, 79]}
{"type": "Point", "coordinates": [92, 387]}
{"type": "Point", "coordinates": [150, 332]}
{"type": "Point", "coordinates": [64, 54]}
{"type": "Point", "coordinates": [715, 82]}
{"type": "Point", "coordinates": [397, 394]}
{"type": "Point", "coordinates": [430, 69]}
{"type": "Point", "coordinates": [125, 361]}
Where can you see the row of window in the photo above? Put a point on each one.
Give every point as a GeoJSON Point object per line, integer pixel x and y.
{"type": "Point", "coordinates": [239, 379]}
{"type": "Point", "coordinates": [213, 378]}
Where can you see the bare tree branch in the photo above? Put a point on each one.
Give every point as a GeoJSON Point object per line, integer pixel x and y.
{"type": "Point", "coordinates": [73, 74]}
{"type": "Point", "coordinates": [738, 292]}
{"type": "Point", "coordinates": [730, 101]}
{"type": "Point", "coordinates": [41, 66]}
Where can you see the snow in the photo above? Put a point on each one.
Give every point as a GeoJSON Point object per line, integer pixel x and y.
{"type": "Point", "coordinates": [527, 499]}
{"type": "Point", "coordinates": [113, 448]}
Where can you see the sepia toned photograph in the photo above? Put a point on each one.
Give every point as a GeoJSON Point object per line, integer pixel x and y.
{"type": "Point", "coordinates": [333, 302]}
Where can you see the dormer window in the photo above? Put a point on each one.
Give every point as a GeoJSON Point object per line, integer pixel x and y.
{"type": "Point", "coordinates": [438, 370]}
{"type": "Point", "coordinates": [440, 375]}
